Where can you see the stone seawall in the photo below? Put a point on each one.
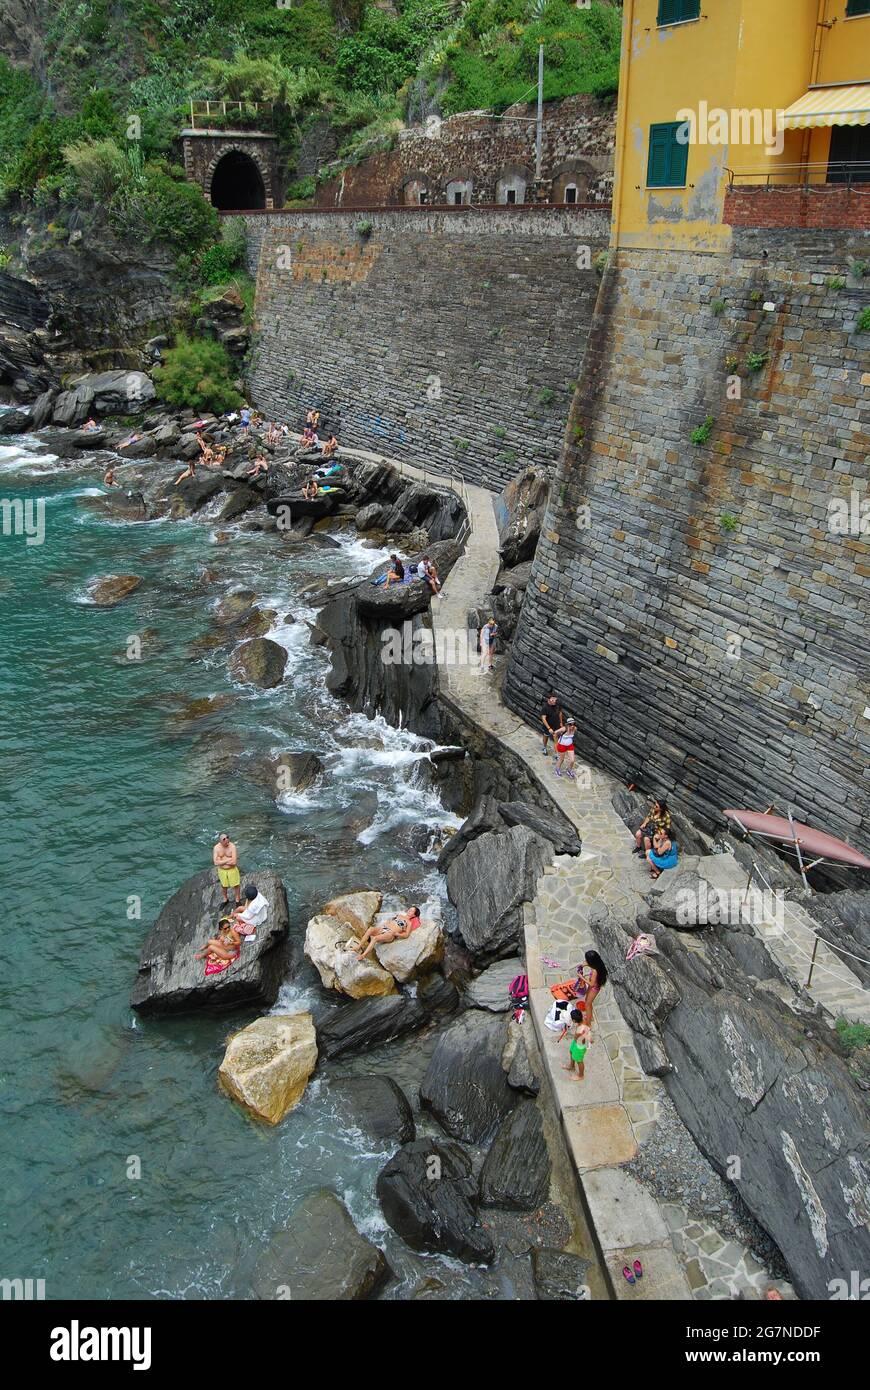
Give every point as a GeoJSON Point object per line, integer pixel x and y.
{"type": "Point", "coordinates": [450, 337]}
{"type": "Point", "coordinates": [693, 602]}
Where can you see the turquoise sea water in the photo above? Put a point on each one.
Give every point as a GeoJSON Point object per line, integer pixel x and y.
{"type": "Point", "coordinates": [111, 794]}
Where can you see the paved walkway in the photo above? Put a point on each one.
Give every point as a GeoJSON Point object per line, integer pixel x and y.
{"type": "Point", "coordinates": [609, 1114]}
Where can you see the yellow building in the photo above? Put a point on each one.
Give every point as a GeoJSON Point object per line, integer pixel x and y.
{"type": "Point", "coordinates": [719, 94]}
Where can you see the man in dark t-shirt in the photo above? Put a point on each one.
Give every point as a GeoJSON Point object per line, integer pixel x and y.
{"type": "Point", "coordinates": [551, 718]}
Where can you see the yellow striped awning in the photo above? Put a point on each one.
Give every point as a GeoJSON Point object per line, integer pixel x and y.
{"type": "Point", "coordinates": [827, 106]}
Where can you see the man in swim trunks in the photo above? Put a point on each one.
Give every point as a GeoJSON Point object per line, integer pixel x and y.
{"type": "Point", "coordinates": [226, 861]}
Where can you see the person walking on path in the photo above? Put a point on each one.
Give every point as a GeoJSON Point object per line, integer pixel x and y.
{"type": "Point", "coordinates": [226, 860]}
{"type": "Point", "coordinates": [487, 640]}
{"type": "Point", "coordinates": [565, 736]}
{"type": "Point", "coordinates": [552, 718]}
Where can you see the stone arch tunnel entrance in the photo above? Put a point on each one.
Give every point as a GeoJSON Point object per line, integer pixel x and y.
{"type": "Point", "coordinates": [237, 182]}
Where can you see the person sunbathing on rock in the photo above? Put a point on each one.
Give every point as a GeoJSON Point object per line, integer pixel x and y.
{"type": "Point", "coordinates": [207, 451]}
{"type": "Point", "coordinates": [90, 426]}
{"type": "Point", "coordinates": [310, 489]}
{"type": "Point", "coordinates": [396, 572]}
{"type": "Point", "coordinates": [273, 434]}
{"type": "Point", "coordinates": [222, 947]}
{"type": "Point", "coordinates": [309, 439]}
{"type": "Point", "coordinates": [189, 472]}
{"type": "Point", "coordinates": [220, 454]}
{"type": "Point", "coordinates": [261, 465]}
{"type": "Point", "coordinates": [109, 477]}
{"type": "Point", "coordinates": [330, 447]}
{"type": "Point", "coordinates": [397, 929]}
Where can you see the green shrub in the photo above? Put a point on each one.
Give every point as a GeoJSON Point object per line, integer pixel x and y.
{"type": "Point", "coordinates": [728, 521]}
{"type": "Point", "coordinates": [853, 1035]}
{"type": "Point", "coordinates": [718, 308]}
{"type": "Point", "coordinates": [863, 321]}
{"type": "Point", "coordinates": [97, 168]}
{"type": "Point", "coordinates": [365, 229]}
{"type": "Point", "coordinates": [836, 282]}
{"type": "Point", "coordinates": [757, 361]}
{"type": "Point", "coordinates": [546, 396]}
{"type": "Point", "coordinates": [703, 432]}
{"type": "Point", "coordinates": [300, 190]}
{"type": "Point", "coordinates": [198, 373]}
{"type": "Point", "coordinates": [218, 262]}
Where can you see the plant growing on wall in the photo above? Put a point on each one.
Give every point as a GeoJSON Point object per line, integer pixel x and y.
{"type": "Point", "coordinates": [860, 269]}
{"type": "Point", "coordinates": [728, 521]}
{"type": "Point", "coordinates": [863, 322]}
{"type": "Point", "coordinates": [836, 282]}
{"type": "Point", "coordinates": [757, 361]}
{"type": "Point", "coordinates": [703, 432]}
{"type": "Point", "coordinates": [546, 396]}
{"type": "Point", "coordinates": [365, 229]}
{"type": "Point", "coordinates": [756, 296]}
{"type": "Point", "coordinates": [601, 262]}
{"type": "Point", "coordinates": [717, 308]}
{"type": "Point", "coordinates": [732, 363]}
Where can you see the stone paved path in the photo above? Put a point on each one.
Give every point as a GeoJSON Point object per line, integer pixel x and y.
{"type": "Point", "coordinates": [606, 1116]}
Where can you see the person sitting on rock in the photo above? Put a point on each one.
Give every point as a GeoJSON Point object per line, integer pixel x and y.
{"type": "Point", "coordinates": [248, 918]}
{"type": "Point", "coordinates": [273, 434]}
{"type": "Point", "coordinates": [330, 448]}
{"type": "Point", "coordinates": [397, 929]}
{"type": "Point", "coordinates": [309, 439]}
{"type": "Point", "coordinates": [663, 853]}
{"type": "Point", "coordinates": [426, 570]}
{"type": "Point", "coordinates": [310, 489]}
{"type": "Point", "coordinates": [189, 472]}
{"type": "Point", "coordinates": [657, 818]}
{"type": "Point", "coordinates": [207, 451]}
{"type": "Point", "coordinates": [109, 477]}
{"type": "Point", "coordinates": [396, 572]}
{"type": "Point", "coordinates": [261, 465]}
{"type": "Point", "coordinates": [221, 950]}
{"type": "Point", "coordinates": [220, 454]}
{"type": "Point", "coordinates": [90, 426]}
{"type": "Point", "coordinates": [312, 420]}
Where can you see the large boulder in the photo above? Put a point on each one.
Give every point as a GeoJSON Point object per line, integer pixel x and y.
{"type": "Point", "coordinates": [367, 1023]}
{"type": "Point", "coordinates": [295, 771]}
{"type": "Point", "coordinates": [267, 1065]}
{"type": "Point", "coordinates": [519, 512]}
{"type": "Point", "coordinates": [490, 990]}
{"type": "Point", "coordinates": [259, 662]}
{"type": "Point", "coordinates": [416, 955]}
{"type": "Point", "coordinates": [559, 1276]}
{"type": "Point", "coordinates": [376, 1105]}
{"type": "Point", "coordinates": [339, 967]}
{"type": "Point", "coordinates": [555, 828]}
{"type": "Point", "coordinates": [110, 589]}
{"type": "Point", "coordinates": [106, 393]}
{"type": "Point", "coordinates": [428, 1196]}
{"type": "Point", "coordinates": [170, 981]}
{"type": "Point", "coordinates": [465, 1086]}
{"type": "Point", "coordinates": [516, 1171]}
{"type": "Point", "coordinates": [489, 882]}
{"type": "Point", "coordinates": [320, 1257]}
{"type": "Point", "coordinates": [484, 816]}
{"type": "Point", "coordinates": [357, 909]}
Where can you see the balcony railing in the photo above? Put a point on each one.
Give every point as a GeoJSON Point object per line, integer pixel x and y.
{"type": "Point", "coordinates": [814, 177]}
{"type": "Point", "coordinates": [211, 114]}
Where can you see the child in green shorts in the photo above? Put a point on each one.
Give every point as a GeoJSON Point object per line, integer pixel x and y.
{"type": "Point", "coordinates": [580, 1036]}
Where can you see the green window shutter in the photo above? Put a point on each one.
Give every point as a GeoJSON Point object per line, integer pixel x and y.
{"type": "Point", "coordinates": [668, 158]}
{"type": "Point", "coordinates": [857, 7]}
{"type": "Point", "coordinates": [676, 11]}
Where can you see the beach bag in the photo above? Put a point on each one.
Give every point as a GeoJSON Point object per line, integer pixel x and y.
{"type": "Point", "coordinates": [559, 1016]}
{"type": "Point", "coordinates": [566, 990]}
{"type": "Point", "coordinates": [518, 990]}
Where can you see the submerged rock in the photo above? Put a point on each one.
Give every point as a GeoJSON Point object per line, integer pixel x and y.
{"type": "Point", "coordinates": [260, 662]}
{"type": "Point", "coordinates": [267, 1065]}
{"type": "Point", "coordinates": [465, 1085]}
{"type": "Point", "coordinates": [366, 1023]}
{"type": "Point", "coordinates": [320, 1257]}
{"type": "Point", "coordinates": [112, 588]}
{"type": "Point", "coordinates": [516, 1171]}
{"type": "Point", "coordinates": [428, 1195]}
{"type": "Point", "coordinates": [170, 981]}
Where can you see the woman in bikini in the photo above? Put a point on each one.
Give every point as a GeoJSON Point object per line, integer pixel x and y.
{"type": "Point", "coordinates": [395, 930]}
{"type": "Point", "coordinates": [221, 950]}
{"type": "Point", "coordinates": [189, 472]}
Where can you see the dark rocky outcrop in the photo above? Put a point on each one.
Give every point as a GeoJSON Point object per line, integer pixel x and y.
{"type": "Point", "coordinates": [104, 393]}
{"type": "Point", "coordinates": [520, 515]}
{"type": "Point", "coordinates": [521, 1076]}
{"type": "Point", "coordinates": [555, 828]}
{"type": "Point", "coordinates": [559, 1276]}
{"type": "Point", "coordinates": [377, 1105]}
{"type": "Point", "coordinates": [844, 921]}
{"type": "Point", "coordinates": [320, 1257]}
{"type": "Point", "coordinates": [752, 1077]}
{"type": "Point", "coordinates": [484, 816]}
{"type": "Point", "coordinates": [428, 1195]}
{"type": "Point", "coordinates": [516, 1171]}
{"type": "Point", "coordinates": [366, 1023]}
{"type": "Point", "coordinates": [490, 990]}
{"type": "Point", "coordinates": [465, 1085]}
{"type": "Point", "coordinates": [170, 981]}
{"type": "Point", "coordinates": [489, 882]}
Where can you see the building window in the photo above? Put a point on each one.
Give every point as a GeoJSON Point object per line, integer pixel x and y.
{"type": "Point", "coordinates": [512, 195]}
{"type": "Point", "coordinates": [457, 199]}
{"type": "Point", "coordinates": [678, 11]}
{"type": "Point", "coordinates": [855, 7]}
{"type": "Point", "coordinates": [570, 193]}
{"type": "Point", "coordinates": [668, 156]}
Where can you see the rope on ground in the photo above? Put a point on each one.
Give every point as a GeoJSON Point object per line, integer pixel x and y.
{"type": "Point", "coordinates": [853, 983]}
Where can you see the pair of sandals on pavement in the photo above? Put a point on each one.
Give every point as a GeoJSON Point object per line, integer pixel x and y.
{"type": "Point", "coordinates": [633, 1275]}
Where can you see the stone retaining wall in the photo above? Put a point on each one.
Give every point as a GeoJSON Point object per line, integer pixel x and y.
{"type": "Point", "coordinates": [451, 337]}
{"type": "Point", "coordinates": [689, 600]}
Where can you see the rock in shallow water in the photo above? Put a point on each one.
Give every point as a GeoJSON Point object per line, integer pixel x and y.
{"type": "Point", "coordinates": [112, 588]}
{"type": "Point", "coordinates": [170, 981]}
{"type": "Point", "coordinates": [465, 1086]}
{"type": "Point", "coordinates": [559, 1276]}
{"type": "Point", "coordinates": [428, 1195]}
{"type": "Point", "coordinates": [267, 1065]}
{"type": "Point", "coordinates": [366, 1023]}
{"type": "Point", "coordinates": [377, 1105]}
{"type": "Point", "coordinates": [321, 1256]}
{"type": "Point", "coordinates": [259, 662]}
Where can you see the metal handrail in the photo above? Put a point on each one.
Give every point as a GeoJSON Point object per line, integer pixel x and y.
{"type": "Point", "coordinates": [205, 106]}
{"type": "Point", "coordinates": [854, 171]}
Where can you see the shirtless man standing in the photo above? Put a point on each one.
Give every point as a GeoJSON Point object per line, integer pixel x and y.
{"type": "Point", "coordinates": [226, 861]}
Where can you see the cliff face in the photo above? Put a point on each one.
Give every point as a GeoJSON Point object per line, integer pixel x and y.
{"type": "Point", "coordinates": [691, 599]}
{"type": "Point", "coordinates": [83, 301]}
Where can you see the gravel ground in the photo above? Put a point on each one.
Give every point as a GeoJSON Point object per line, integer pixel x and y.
{"type": "Point", "coordinates": [672, 1166]}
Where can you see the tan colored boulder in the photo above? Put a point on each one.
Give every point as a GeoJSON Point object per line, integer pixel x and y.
{"type": "Point", "coordinates": [359, 909]}
{"type": "Point", "coordinates": [326, 939]}
{"type": "Point", "coordinates": [112, 588]}
{"type": "Point", "coordinates": [416, 955]}
{"type": "Point", "coordinates": [267, 1065]}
